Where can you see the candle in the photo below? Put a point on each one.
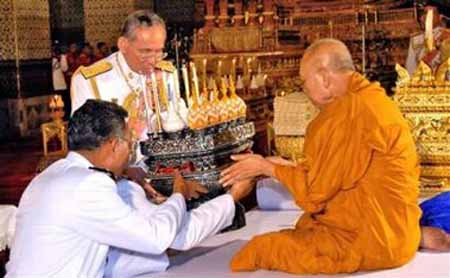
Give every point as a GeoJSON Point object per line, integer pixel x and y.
{"type": "Point", "coordinates": [186, 84]}
{"type": "Point", "coordinates": [156, 102]}
{"type": "Point", "coordinates": [249, 60]}
{"type": "Point", "coordinates": [165, 94]}
{"type": "Point", "coordinates": [205, 61]}
{"type": "Point", "coordinates": [330, 24]}
{"type": "Point", "coordinates": [176, 84]}
{"type": "Point", "coordinates": [233, 68]}
{"type": "Point", "coordinates": [170, 90]}
{"type": "Point", "coordinates": [195, 80]}
{"type": "Point", "coordinates": [219, 68]}
{"type": "Point", "coordinates": [147, 108]}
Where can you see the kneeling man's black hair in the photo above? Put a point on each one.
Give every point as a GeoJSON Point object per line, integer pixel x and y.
{"type": "Point", "coordinates": [94, 123]}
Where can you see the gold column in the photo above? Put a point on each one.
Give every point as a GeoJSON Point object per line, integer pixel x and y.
{"type": "Point", "coordinates": [252, 8]}
{"type": "Point", "coordinates": [27, 24]}
{"type": "Point", "coordinates": [24, 40]}
{"type": "Point", "coordinates": [238, 16]}
{"type": "Point", "coordinates": [268, 13]}
{"type": "Point", "coordinates": [223, 13]}
{"type": "Point", "coordinates": [209, 17]}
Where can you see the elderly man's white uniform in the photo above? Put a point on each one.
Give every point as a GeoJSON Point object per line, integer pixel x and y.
{"type": "Point", "coordinates": [70, 216]}
{"type": "Point", "coordinates": [109, 79]}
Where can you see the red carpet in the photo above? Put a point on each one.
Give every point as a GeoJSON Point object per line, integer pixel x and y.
{"type": "Point", "coordinates": [18, 162]}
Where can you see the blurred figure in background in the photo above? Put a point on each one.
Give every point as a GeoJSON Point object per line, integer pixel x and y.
{"type": "Point", "coordinates": [102, 51]}
{"type": "Point", "coordinates": [59, 67]}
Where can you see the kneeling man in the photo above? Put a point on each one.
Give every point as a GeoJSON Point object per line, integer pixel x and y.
{"type": "Point", "coordinates": [71, 214]}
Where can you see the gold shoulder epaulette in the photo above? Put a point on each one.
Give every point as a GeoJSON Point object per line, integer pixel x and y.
{"type": "Point", "coordinates": [96, 69]}
{"type": "Point", "coordinates": [165, 66]}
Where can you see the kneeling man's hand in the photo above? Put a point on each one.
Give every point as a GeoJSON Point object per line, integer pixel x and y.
{"type": "Point", "coordinates": [153, 195]}
{"type": "Point", "coordinates": [189, 189]}
{"type": "Point", "coordinates": [136, 174]}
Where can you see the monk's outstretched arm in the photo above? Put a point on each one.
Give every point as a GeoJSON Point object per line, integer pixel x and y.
{"type": "Point", "coordinates": [293, 178]}
{"type": "Point", "coordinates": [334, 160]}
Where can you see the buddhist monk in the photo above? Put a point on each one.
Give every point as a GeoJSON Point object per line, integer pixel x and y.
{"type": "Point", "coordinates": [358, 185]}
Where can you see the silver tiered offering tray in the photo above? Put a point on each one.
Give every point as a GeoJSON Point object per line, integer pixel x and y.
{"type": "Point", "coordinates": [198, 154]}
{"type": "Point", "coordinates": [188, 142]}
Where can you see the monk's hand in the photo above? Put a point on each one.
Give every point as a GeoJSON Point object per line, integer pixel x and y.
{"type": "Point", "coordinates": [280, 161]}
{"type": "Point", "coordinates": [241, 189]}
{"type": "Point", "coordinates": [247, 166]}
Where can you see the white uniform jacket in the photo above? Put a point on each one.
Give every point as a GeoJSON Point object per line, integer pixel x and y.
{"type": "Point", "coordinates": [69, 217]}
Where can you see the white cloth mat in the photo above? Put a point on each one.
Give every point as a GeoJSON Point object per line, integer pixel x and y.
{"type": "Point", "coordinates": [212, 258]}
{"type": "Point", "coordinates": [7, 225]}
{"type": "Point", "coordinates": [272, 195]}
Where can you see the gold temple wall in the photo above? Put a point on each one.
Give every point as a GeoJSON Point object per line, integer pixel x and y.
{"type": "Point", "coordinates": [67, 20]}
{"type": "Point", "coordinates": [424, 99]}
{"type": "Point", "coordinates": [6, 31]}
{"type": "Point", "coordinates": [104, 18]}
{"type": "Point", "coordinates": [68, 14]}
{"type": "Point", "coordinates": [24, 40]}
{"type": "Point", "coordinates": [31, 20]}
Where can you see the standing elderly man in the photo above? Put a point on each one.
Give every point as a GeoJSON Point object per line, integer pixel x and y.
{"type": "Point", "coordinates": [71, 215]}
{"type": "Point", "coordinates": [358, 184]}
{"type": "Point", "coordinates": [121, 77]}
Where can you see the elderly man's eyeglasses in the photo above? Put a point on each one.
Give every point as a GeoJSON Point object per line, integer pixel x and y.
{"type": "Point", "coordinates": [150, 54]}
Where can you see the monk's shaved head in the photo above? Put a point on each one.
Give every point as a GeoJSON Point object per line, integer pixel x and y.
{"type": "Point", "coordinates": [329, 53]}
{"type": "Point", "coordinates": [325, 70]}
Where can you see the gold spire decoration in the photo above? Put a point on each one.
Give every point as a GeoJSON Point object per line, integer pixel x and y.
{"type": "Point", "coordinates": [214, 107]}
{"type": "Point", "coordinates": [238, 103]}
{"type": "Point", "coordinates": [424, 100]}
{"type": "Point", "coordinates": [443, 71]}
{"type": "Point", "coordinates": [197, 119]}
{"type": "Point", "coordinates": [228, 113]}
{"type": "Point", "coordinates": [423, 74]}
{"type": "Point", "coordinates": [402, 75]}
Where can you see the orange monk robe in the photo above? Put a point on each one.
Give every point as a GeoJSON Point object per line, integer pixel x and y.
{"type": "Point", "coordinates": [358, 187]}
